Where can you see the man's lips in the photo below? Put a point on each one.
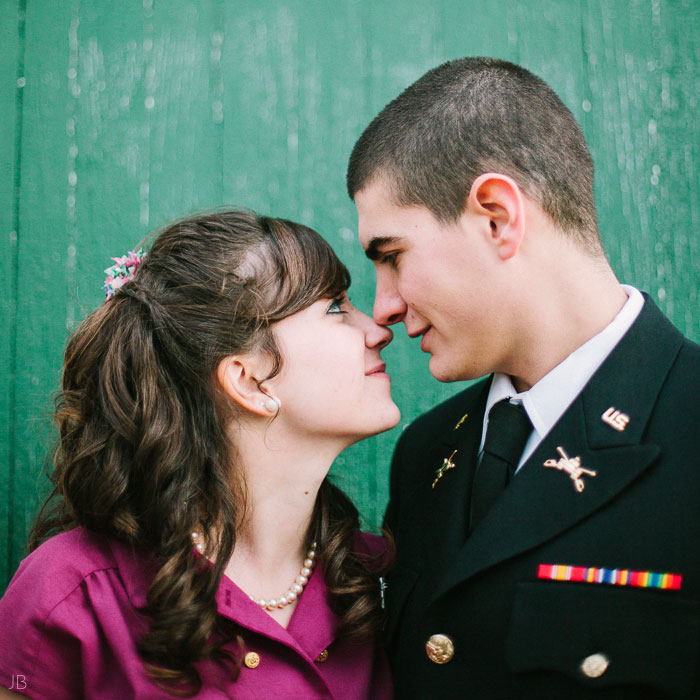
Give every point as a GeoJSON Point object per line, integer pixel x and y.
{"type": "Point", "coordinates": [422, 332]}
{"type": "Point", "coordinates": [416, 333]}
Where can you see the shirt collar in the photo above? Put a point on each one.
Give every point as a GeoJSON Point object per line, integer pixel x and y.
{"type": "Point", "coordinates": [547, 400]}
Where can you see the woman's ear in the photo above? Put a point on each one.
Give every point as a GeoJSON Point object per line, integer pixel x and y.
{"type": "Point", "coordinates": [499, 200]}
{"type": "Point", "coordinates": [238, 377]}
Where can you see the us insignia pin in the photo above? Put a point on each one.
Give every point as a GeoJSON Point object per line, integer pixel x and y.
{"type": "Point", "coordinates": [447, 463]}
{"type": "Point", "coordinates": [615, 419]}
{"type": "Point", "coordinates": [572, 466]}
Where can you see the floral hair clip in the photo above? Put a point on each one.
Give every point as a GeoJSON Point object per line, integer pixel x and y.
{"type": "Point", "coordinates": [122, 271]}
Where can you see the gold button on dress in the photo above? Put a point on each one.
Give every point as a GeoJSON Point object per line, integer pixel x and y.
{"type": "Point", "coordinates": [251, 659]}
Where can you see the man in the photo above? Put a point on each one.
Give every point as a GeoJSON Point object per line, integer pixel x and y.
{"type": "Point", "coordinates": [566, 565]}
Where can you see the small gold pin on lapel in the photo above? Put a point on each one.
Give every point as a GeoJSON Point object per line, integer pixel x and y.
{"type": "Point", "coordinates": [447, 463]}
{"type": "Point", "coordinates": [572, 466]}
{"type": "Point", "coordinates": [616, 419]}
{"type": "Point", "coordinates": [461, 420]}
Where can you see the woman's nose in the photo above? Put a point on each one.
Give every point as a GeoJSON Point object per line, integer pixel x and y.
{"type": "Point", "coordinates": [376, 336]}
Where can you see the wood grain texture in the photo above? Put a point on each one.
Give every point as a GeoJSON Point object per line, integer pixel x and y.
{"type": "Point", "coordinates": [138, 112]}
{"type": "Point", "coordinates": [46, 274]}
{"type": "Point", "coordinates": [11, 60]}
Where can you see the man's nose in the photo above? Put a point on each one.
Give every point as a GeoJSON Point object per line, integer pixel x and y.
{"type": "Point", "coordinates": [389, 307]}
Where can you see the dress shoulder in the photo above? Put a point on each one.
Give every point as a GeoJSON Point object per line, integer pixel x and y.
{"type": "Point", "coordinates": [55, 568]}
{"type": "Point", "coordinates": [49, 614]}
{"type": "Point", "coordinates": [373, 547]}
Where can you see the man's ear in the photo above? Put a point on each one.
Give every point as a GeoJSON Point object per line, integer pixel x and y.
{"type": "Point", "coordinates": [238, 376]}
{"type": "Point", "coordinates": [499, 200]}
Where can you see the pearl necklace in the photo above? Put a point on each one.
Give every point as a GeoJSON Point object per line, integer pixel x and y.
{"type": "Point", "coordinates": [293, 592]}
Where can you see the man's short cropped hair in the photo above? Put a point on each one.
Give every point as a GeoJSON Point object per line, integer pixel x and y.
{"type": "Point", "coordinates": [476, 115]}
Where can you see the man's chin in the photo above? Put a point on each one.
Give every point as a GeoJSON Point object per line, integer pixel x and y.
{"type": "Point", "coordinates": [446, 372]}
{"type": "Point", "coordinates": [440, 371]}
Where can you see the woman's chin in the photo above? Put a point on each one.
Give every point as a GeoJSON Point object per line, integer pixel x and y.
{"type": "Point", "coordinates": [386, 421]}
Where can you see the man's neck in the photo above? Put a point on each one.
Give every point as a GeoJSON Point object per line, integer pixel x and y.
{"type": "Point", "coordinates": [562, 310]}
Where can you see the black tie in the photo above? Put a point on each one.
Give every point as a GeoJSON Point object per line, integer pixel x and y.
{"type": "Point", "coordinates": [508, 430]}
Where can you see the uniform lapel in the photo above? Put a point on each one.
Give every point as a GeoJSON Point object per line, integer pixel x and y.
{"type": "Point", "coordinates": [448, 501]}
{"type": "Point", "coordinates": [542, 502]}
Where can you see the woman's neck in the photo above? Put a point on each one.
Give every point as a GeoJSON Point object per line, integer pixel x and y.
{"type": "Point", "coordinates": [282, 478]}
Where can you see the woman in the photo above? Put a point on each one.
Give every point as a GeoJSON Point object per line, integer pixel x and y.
{"type": "Point", "coordinates": [202, 550]}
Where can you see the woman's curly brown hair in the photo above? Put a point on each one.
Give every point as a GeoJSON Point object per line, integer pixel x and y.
{"type": "Point", "coordinates": [143, 453]}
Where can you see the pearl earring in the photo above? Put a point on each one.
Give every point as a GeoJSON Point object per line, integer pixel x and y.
{"type": "Point", "coordinates": [271, 404]}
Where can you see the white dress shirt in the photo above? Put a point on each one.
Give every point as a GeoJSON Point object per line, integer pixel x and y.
{"type": "Point", "coordinates": [547, 400]}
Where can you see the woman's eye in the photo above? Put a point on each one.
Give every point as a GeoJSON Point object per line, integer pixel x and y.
{"type": "Point", "coordinates": [336, 306]}
{"type": "Point", "coordinates": [390, 259]}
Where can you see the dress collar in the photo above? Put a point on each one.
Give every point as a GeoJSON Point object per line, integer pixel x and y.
{"type": "Point", "coordinates": [312, 627]}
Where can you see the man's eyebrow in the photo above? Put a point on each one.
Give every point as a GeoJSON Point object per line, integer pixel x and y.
{"type": "Point", "coordinates": [375, 243]}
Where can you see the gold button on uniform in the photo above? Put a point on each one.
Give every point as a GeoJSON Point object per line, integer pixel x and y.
{"type": "Point", "coordinates": [440, 649]}
{"type": "Point", "coordinates": [595, 665]}
{"type": "Point", "coordinates": [323, 656]}
{"type": "Point", "coordinates": [251, 659]}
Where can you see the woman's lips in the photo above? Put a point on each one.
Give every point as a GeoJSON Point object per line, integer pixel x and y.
{"type": "Point", "coordinates": [378, 371]}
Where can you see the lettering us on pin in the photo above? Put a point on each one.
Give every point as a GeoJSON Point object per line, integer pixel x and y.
{"type": "Point", "coordinates": [615, 419]}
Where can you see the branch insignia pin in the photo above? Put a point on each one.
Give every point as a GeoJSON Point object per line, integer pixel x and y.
{"type": "Point", "coordinates": [572, 466]}
{"type": "Point", "coordinates": [447, 464]}
{"type": "Point", "coordinates": [461, 420]}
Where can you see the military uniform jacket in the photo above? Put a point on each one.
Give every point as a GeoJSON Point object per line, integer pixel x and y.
{"type": "Point", "coordinates": [515, 634]}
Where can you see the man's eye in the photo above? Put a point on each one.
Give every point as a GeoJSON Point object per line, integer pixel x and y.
{"type": "Point", "coordinates": [336, 306]}
{"type": "Point", "coordinates": [390, 258]}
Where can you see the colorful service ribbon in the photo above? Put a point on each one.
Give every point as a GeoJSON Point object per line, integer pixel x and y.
{"type": "Point", "coordinates": [614, 577]}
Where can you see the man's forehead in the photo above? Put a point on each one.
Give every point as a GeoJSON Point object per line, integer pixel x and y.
{"type": "Point", "coordinates": [382, 222]}
{"type": "Point", "coordinates": [378, 217]}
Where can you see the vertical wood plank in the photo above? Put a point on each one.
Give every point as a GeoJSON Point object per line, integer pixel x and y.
{"type": "Point", "coordinates": [119, 133]}
{"type": "Point", "coordinates": [147, 132]}
{"type": "Point", "coordinates": [11, 86]}
{"type": "Point", "coordinates": [643, 68]}
{"type": "Point", "coordinates": [44, 273]}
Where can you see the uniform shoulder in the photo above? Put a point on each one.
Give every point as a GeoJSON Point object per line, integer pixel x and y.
{"type": "Point", "coordinates": [690, 353]}
{"type": "Point", "coordinates": [683, 380]}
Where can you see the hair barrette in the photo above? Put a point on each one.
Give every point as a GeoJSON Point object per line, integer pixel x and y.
{"type": "Point", "coordinates": [122, 271]}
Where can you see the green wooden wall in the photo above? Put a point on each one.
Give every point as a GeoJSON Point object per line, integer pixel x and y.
{"type": "Point", "coordinates": [119, 116]}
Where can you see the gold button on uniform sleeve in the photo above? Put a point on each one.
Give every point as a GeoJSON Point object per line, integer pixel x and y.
{"type": "Point", "coordinates": [595, 665]}
{"type": "Point", "coordinates": [440, 649]}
